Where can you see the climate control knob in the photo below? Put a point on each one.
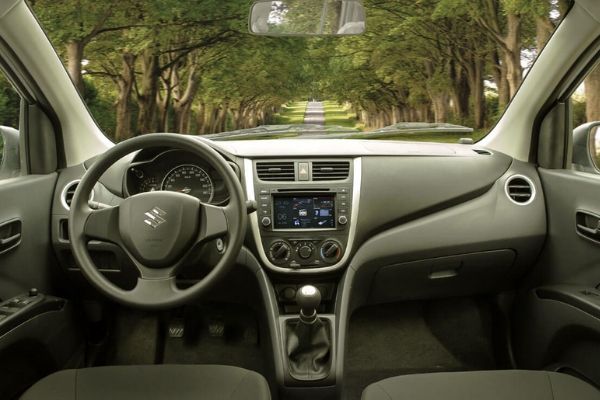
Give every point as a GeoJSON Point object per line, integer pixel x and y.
{"type": "Point", "coordinates": [304, 251]}
{"type": "Point", "coordinates": [280, 252]}
{"type": "Point", "coordinates": [331, 251]}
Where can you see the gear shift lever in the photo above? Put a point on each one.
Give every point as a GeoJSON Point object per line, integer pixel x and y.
{"type": "Point", "coordinates": [308, 340]}
{"type": "Point", "coordinates": [308, 298]}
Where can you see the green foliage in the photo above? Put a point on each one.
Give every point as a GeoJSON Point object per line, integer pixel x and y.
{"type": "Point", "coordinates": [9, 104]}
{"type": "Point", "coordinates": [413, 55]}
{"type": "Point", "coordinates": [579, 116]}
{"type": "Point", "coordinates": [336, 114]}
{"type": "Point", "coordinates": [292, 113]}
{"type": "Point", "coordinates": [101, 107]}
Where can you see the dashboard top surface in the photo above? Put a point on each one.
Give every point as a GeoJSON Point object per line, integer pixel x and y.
{"type": "Point", "coordinates": [340, 147]}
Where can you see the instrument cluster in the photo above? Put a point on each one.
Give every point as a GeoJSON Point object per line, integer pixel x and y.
{"type": "Point", "coordinates": [177, 171]}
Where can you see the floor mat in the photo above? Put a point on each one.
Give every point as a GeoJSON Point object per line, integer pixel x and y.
{"type": "Point", "coordinates": [133, 340]}
{"type": "Point", "coordinates": [406, 338]}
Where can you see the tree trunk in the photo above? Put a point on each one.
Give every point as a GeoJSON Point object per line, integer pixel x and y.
{"type": "Point", "coordinates": [74, 60]}
{"type": "Point", "coordinates": [512, 53]}
{"type": "Point", "coordinates": [543, 30]}
{"type": "Point", "coordinates": [163, 101]}
{"type": "Point", "coordinates": [214, 118]}
{"type": "Point", "coordinates": [182, 114]}
{"type": "Point", "coordinates": [125, 84]}
{"type": "Point", "coordinates": [200, 117]}
{"type": "Point", "coordinates": [182, 102]}
{"type": "Point", "coordinates": [147, 93]}
{"type": "Point", "coordinates": [460, 93]}
{"type": "Point", "coordinates": [439, 102]}
{"type": "Point", "coordinates": [592, 95]}
{"type": "Point", "coordinates": [475, 77]}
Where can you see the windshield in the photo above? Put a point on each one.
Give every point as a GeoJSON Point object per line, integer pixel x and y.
{"type": "Point", "coordinates": [432, 70]}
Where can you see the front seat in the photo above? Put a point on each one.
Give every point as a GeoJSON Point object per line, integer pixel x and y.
{"type": "Point", "coordinates": [152, 382]}
{"type": "Point", "coordinates": [483, 385]}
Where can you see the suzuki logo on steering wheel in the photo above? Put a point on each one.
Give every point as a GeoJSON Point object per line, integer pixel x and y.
{"type": "Point", "coordinates": [155, 217]}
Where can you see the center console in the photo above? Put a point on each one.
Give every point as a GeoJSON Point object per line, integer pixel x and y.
{"type": "Point", "coordinates": [306, 211]}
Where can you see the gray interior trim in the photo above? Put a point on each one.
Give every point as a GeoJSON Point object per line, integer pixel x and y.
{"type": "Point", "coordinates": [316, 148]}
{"type": "Point", "coordinates": [552, 138]}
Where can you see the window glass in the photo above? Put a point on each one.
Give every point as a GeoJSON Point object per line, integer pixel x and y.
{"type": "Point", "coordinates": [9, 125]}
{"type": "Point", "coordinates": [435, 70]}
{"type": "Point", "coordinates": [585, 105]}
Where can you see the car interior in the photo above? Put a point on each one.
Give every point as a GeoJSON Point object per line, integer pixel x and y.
{"type": "Point", "coordinates": [316, 268]}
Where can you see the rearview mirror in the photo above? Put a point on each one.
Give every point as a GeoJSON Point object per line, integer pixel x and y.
{"type": "Point", "coordinates": [307, 18]}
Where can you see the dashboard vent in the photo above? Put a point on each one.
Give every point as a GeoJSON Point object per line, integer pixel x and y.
{"type": "Point", "coordinates": [68, 193]}
{"type": "Point", "coordinates": [276, 171]}
{"type": "Point", "coordinates": [520, 189]}
{"type": "Point", "coordinates": [330, 170]}
{"type": "Point", "coordinates": [482, 152]}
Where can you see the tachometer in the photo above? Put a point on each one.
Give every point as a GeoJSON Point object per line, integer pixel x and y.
{"type": "Point", "coordinates": [190, 179]}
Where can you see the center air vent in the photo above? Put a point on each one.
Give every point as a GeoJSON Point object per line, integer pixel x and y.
{"type": "Point", "coordinates": [520, 189]}
{"type": "Point", "coordinates": [276, 171]}
{"type": "Point", "coordinates": [330, 170]}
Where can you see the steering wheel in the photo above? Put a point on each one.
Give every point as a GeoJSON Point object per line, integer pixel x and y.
{"type": "Point", "coordinates": [157, 230]}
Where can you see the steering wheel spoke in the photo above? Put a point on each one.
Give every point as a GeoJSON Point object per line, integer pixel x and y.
{"type": "Point", "coordinates": [213, 222]}
{"type": "Point", "coordinates": [103, 224]}
{"type": "Point", "coordinates": [150, 290]}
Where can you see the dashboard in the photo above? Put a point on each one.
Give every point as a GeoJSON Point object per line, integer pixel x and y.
{"type": "Point", "coordinates": [408, 220]}
{"type": "Point", "coordinates": [177, 171]}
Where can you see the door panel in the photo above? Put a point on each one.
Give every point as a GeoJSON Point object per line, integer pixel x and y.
{"type": "Point", "coordinates": [25, 205]}
{"type": "Point", "coordinates": [568, 256]}
{"type": "Point", "coordinates": [557, 321]}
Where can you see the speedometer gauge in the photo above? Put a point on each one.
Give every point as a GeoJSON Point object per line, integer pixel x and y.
{"type": "Point", "coordinates": [190, 179]}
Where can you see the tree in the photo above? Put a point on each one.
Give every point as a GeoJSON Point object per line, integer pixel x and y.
{"type": "Point", "coordinates": [75, 23]}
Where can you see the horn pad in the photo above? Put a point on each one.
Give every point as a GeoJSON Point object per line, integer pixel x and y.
{"type": "Point", "coordinates": [158, 227]}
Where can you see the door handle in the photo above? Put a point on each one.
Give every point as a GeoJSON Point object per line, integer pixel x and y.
{"type": "Point", "coordinates": [10, 235]}
{"type": "Point", "coordinates": [588, 225]}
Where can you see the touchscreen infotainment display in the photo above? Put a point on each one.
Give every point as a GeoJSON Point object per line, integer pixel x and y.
{"type": "Point", "coordinates": [304, 212]}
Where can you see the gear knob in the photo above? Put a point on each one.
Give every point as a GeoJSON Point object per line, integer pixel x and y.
{"type": "Point", "coordinates": [308, 298]}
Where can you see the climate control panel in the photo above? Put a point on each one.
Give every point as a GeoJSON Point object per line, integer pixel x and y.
{"type": "Point", "coordinates": [305, 253]}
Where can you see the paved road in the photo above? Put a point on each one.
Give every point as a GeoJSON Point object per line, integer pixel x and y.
{"type": "Point", "coordinates": [315, 114]}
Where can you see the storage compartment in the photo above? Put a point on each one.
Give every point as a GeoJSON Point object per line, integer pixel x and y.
{"type": "Point", "coordinates": [464, 274]}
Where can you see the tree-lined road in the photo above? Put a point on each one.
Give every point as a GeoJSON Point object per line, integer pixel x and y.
{"type": "Point", "coordinates": [315, 113]}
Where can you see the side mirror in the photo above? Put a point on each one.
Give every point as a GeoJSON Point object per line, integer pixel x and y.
{"type": "Point", "coordinates": [586, 147]}
{"type": "Point", "coordinates": [10, 162]}
{"type": "Point", "coordinates": [307, 18]}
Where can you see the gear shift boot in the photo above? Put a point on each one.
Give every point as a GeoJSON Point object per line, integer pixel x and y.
{"type": "Point", "coordinates": [309, 349]}
{"type": "Point", "coordinates": [308, 339]}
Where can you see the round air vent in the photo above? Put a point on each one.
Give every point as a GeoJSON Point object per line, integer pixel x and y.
{"type": "Point", "coordinates": [520, 189]}
{"type": "Point", "coordinates": [66, 197]}
{"type": "Point", "coordinates": [67, 194]}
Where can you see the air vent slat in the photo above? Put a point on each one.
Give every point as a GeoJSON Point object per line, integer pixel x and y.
{"type": "Point", "coordinates": [276, 171]}
{"type": "Point", "coordinates": [520, 190]}
{"type": "Point", "coordinates": [70, 193]}
{"type": "Point", "coordinates": [330, 170]}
